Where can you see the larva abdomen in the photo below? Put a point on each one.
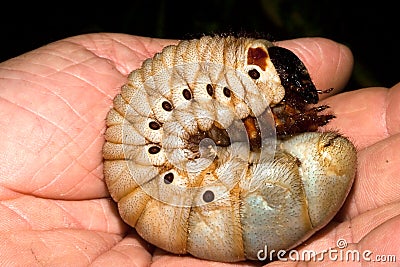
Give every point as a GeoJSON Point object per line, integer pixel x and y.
{"type": "Point", "coordinates": [204, 154]}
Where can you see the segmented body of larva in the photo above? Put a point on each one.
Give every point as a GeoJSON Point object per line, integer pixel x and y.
{"type": "Point", "coordinates": [211, 149]}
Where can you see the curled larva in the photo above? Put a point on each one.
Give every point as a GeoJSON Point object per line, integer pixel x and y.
{"type": "Point", "coordinates": [211, 149]}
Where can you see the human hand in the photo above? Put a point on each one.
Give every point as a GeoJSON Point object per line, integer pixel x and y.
{"type": "Point", "coordinates": [55, 208]}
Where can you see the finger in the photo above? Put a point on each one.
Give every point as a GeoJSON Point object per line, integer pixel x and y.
{"type": "Point", "coordinates": [127, 52]}
{"type": "Point", "coordinates": [359, 115]}
{"type": "Point", "coordinates": [393, 110]}
{"type": "Point", "coordinates": [366, 116]}
{"type": "Point", "coordinates": [377, 180]}
{"type": "Point", "coordinates": [329, 63]}
{"type": "Point", "coordinates": [58, 247]}
{"type": "Point", "coordinates": [369, 117]}
{"type": "Point", "coordinates": [382, 243]}
{"type": "Point", "coordinates": [131, 250]}
{"type": "Point", "coordinates": [53, 109]}
{"type": "Point", "coordinates": [26, 213]}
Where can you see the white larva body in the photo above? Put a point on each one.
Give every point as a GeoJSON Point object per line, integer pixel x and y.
{"type": "Point", "coordinates": [186, 178]}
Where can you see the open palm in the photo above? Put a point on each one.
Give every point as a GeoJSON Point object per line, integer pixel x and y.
{"type": "Point", "coordinates": [55, 209]}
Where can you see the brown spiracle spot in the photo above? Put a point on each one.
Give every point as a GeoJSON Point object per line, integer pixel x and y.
{"type": "Point", "coordinates": [208, 196]}
{"type": "Point", "coordinates": [187, 94]}
{"type": "Point", "coordinates": [154, 125]}
{"type": "Point", "coordinates": [227, 92]}
{"type": "Point", "coordinates": [210, 90]}
{"type": "Point", "coordinates": [169, 178]}
{"type": "Point", "coordinates": [166, 106]}
{"type": "Point", "coordinates": [154, 149]}
{"type": "Point", "coordinates": [254, 74]}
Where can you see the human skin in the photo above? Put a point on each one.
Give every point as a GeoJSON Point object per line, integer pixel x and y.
{"type": "Point", "coordinates": [55, 208]}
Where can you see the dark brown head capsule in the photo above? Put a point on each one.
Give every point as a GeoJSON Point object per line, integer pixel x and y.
{"type": "Point", "coordinates": [294, 76]}
{"type": "Point", "coordinates": [292, 115]}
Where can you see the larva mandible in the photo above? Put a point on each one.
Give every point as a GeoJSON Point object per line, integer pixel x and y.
{"type": "Point", "coordinates": [211, 149]}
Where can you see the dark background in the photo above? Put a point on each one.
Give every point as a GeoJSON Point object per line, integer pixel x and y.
{"type": "Point", "coordinates": [369, 28]}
